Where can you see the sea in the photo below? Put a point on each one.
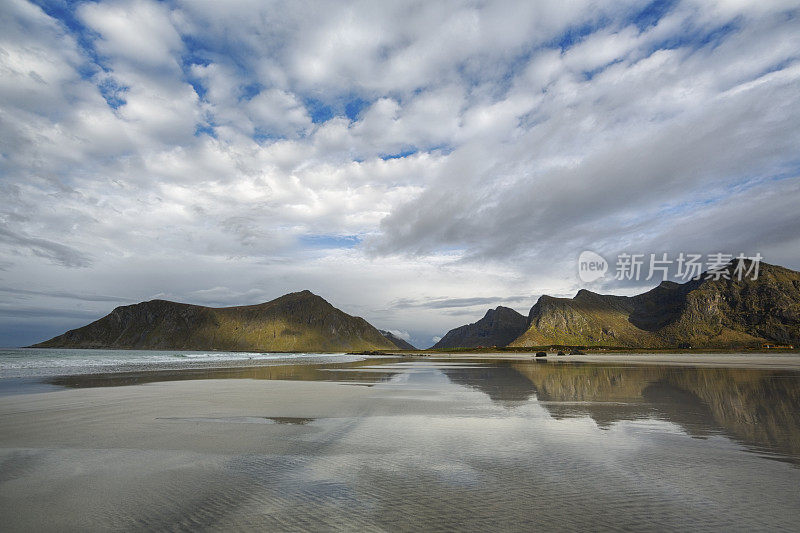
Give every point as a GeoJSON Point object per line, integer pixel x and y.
{"type": "Point", "coordinates": [45, 362]}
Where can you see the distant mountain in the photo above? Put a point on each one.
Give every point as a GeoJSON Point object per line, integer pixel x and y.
{"type": "Point", "coordinates": [299, 321]}
{"type": "Point", "coordinates": [398, 342]}
{"type": "Point", "coordinates": [498, 327]}
{"type": "Point", "coordinates": [702, 313]}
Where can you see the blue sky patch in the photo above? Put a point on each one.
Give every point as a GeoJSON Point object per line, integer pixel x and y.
{"type": "Point", "coordinates": [112, 92]}
{"type": "Point", "coordinates": [354, 107]}
{"type": "Point", "coordinates": [698, 38]}
{"type": "Point", "coordinates": [576, 34]}
{"type": "Point", "coordinates": [205, 129]}
{"type": "Point", "coordinates": [262, 135]}
{"type": "Point", "coordinates": [652, 13]}
{"type": "Point", "coordinates": [401, 154]}
{"type": "Point", "coordinates": [320, 112]}
{"type": "Point", "coordinates": [250, 91]}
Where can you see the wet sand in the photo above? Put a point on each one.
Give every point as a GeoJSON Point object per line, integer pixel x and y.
{"type": "Point", "coordinates": [406, 445]}
{"type": "Point", "coordinates": [790, 361]}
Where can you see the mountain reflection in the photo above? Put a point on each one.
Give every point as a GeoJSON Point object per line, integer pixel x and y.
{"type": "Point", "coordinates": [339, 372]}
{"type": "Point", "coordinates": [759, 408]}
{"type": "Point", "coordinates": [504, 384]}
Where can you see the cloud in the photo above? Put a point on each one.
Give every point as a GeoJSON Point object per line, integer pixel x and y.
{"type": "Point", "coordinates": [415, 163]}
{"type": "Point", "coordinates": [58, 253]}
{"type": "Point", "coordinates": [64, 294]}
{"type": "Point", "coordinates": [138, 31]}
{"type": "Point", "coordinates": [279, 112]}
{"type": "Point", "coordinates": [447, 303]}
{"type": "Point", "coordinates": [406, 336]}
{"type": "Point", "coordinates": [17, 312]}
{"type": "Point", "coordinates": [634, 134]}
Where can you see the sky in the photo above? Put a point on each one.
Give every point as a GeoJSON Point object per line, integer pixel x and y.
{"type": "Point", "coordinates": [415, 163]}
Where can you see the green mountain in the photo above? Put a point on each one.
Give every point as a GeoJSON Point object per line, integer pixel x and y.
{"type": "Point", "coordinates": [397, 341]}
{"type": "Point", "coordinates": [703, 313]}
{"type": "Point", "coordinates": [299, 321]}
{"type": "Point", "coordinates": [498, 327]}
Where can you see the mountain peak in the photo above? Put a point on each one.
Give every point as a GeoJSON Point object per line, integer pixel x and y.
{"type": "Point", "coordinates": [400, 343]}
{"type": "Point", "coordinates": [298, 321]}
{"type": "Point", "coordinates": [706, 312]}
{"type": "Point", "coordinates": [584, 293]}
{"type": "Point", "coordinates": [305, 293]}
{"type": "Point", "coordinates": [498, 327]}
{"type": "Point", "coordinates": [304, 297]}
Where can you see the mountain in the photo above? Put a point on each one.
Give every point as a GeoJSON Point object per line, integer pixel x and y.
{"type": "Point", "coordinates": [498, 327]}
{"type": "Point", "coordinates": [704, 313]}
{"type": "Point", "coordinates": [398, 342]}
{"type": "Point", "coordinates": [299, 321]}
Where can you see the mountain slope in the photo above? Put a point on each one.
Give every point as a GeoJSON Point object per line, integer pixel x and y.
{"type": "Point", "coordinates": [701, 313]}
{"type": "Point", "coordinates": [299, 321]}
{"type": "Point", "coordinates": [498, 327]}
{"type": "Point", "coordinates": [397, 341]}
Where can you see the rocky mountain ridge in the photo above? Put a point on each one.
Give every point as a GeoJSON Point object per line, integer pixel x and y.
{"type": "Point", "coordinates": [295, 322]}
{"type": "Point", "coordinates": [717, 311]}
{"type": "Point", "coordinates": [498, 327]}
{"type": "Point", "coordinates": [397, 341]}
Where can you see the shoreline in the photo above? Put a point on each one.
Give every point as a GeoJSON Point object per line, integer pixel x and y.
{"type": "Point", "coordinates": [316, 367]}
{"type": "Point", "coordinates": [282, 369]}
{"type": "Point", "coordinates": [787, 361]}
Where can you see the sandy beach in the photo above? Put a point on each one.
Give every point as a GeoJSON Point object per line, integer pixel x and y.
{"type": "Point", "coordinates": [99, 457]}
{"type": "Point", "coordinates": [743, 360]}
{"type": "Point", "coordinates": [406, 445]}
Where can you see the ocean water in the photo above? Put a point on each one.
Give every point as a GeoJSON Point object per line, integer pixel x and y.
{"type": "Point", "coordinates": [44, 362]}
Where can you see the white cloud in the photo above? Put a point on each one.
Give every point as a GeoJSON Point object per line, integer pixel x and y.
{"type": "Point", "coordinates": [208, 155]}
{"type": "Point", "coordinates": [406, 336]}
{"type": "Point", "coordinates": [279, 112]}
{"type": "Point", "coordinates": [139, 31]}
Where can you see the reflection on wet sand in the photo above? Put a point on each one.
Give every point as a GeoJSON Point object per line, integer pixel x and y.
{"type": "Point", "coordinates": [340, 372]}
{"type": "Point", "coordinates": [760, 408]}
{"type": "Point", "coordinates": [446, 445]}
{"type": "Point", "coordinates": [298, 421]}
